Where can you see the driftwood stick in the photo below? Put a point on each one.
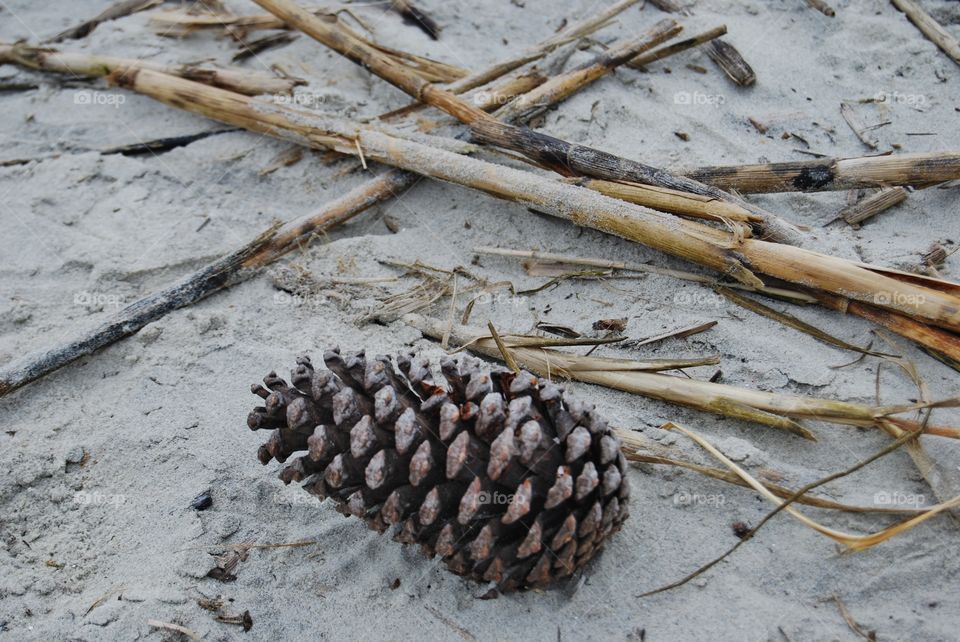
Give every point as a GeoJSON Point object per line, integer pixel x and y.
{"type": "Point", "coordinates": [873, 205]}
{"type": "Point", "coordinates": [540, 148]}
{"type": "Point", "coordinates": [233, 268]}
{"type": "Point", "coordinates": [930, 28]}
{"type": "Point", "coordinates": [242, 81]}
{"type": "Point", "coordinates": [864, 133]}
{"type": "Point", "coordinates": [833, 174]}
{"type": "Point", "coordinates": [559, 87]}
{"type": "Point", "coordinates": [677, 47]}
{"type": "Point", "coordinates": [696, 242]}
{"type": "Point", "coordinates": [114, 12]}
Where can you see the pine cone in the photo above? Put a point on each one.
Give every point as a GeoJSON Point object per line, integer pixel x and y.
{"type": "Point", "coordinates": [504, 476]}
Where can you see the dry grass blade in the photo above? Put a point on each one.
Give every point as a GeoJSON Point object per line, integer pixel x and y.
{"type": "Point", "coordinates": [113, 12]}
{"type": "Point", "coordinates": [785, 504]}
{"type": "Point", "coordinates": [795, 323]}
{"type": "Point", "coordinates": [504, 352]}
{"type": "Point", "coordinates": [682, 333]}
{"type": "Point", "coordinates": [765, 408]}
{"type": "Point", "coordinates": [645, 451]}
{"type": "Point", "coordinates": [176, 628]}
{"type": "Point", "coordinates": [853, 543]}
{"type": "Point", "coordinates": [677, 47]}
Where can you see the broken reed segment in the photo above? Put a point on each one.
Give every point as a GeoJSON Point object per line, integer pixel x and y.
{"type": "Point", "coordinates": [771, 409]}
{"type": "Point", "coordinates": [243, 81]}
{"type": "Point", "coordinates": [561, 86]}
{"type": "Point", "coordinates": [873, 205]}
{"type": "Point", "coordinates": [503, 475]}
{"type": "Point", "coordinates": [233, 268]}
{"type": "Point", "coordinates": [930, 28]}
{"type": "Point", "coordinates": [687, 239]}
{"type": "Point", "coordinates": [178, 23]}
{"type": "Point", "coordinates": [863, 132]}
{"type": "Point", "coordinates": [113, 12]}
{"type": "Point", "coordinates": [542, 149]}
{"type": "Point", "coordinates": [822, 7]}
{"type": "Point", "coordinates": [833, 174]}
{"type": "Point", "coordinates": [239, 264]}
{"type": "Point", "coordinates": [677, 47]}
{"type": "Point", "coordinates": [731, 62]}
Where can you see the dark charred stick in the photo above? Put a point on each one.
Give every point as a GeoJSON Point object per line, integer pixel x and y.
{"type": "Point", "coordinates": [677, 47]}
{"type": "Point", "coordinates": [822, 7]}
{"type": "Point", "coordinates": [118, 10]}
{"type": "Point", "coordinates": [229, 270]}
{"type": "Point", "coordinates": [251, 48]}
{"type": "Point", "coordinates": [417, 17]}
{"type": "Point", "coordinates": [161, 145]}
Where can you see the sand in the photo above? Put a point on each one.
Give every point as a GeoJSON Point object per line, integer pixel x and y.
{"type": "Point", "coordinates": [101, 460]}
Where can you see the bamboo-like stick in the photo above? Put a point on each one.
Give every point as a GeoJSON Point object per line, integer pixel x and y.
{"type": "Point", "coordinates": [930, 28]}
{"type": "Point", "coordinates": [232, 268]}
{"type": "Point", "coordinates": [545, 150]}
{"type": "Point", "coordinates": [669, 50]}
{"type": "Point", "coordinates": [229, 270]}
{"type": "Point", "coordinates": [559, 87]}
{"type": "Point", "coordinates": [833, 174]}
{"type": "Point", "coordinates": [731, 62]}
{"type": "Point", "coordinates": [669, 200]}
{"type": "Point", "coordinates": [873, 205]}
{"type": "Point", "coordinates": [728, 400]}
{"type": "Point", "coordinates": [177, 23]}
{"type": "Point", "coordinates": [243, 81]}
{"type": "Point", "coordinates": [686, 239]}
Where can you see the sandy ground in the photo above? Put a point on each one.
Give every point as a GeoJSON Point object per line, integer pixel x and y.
{"type": "Point", "coordinates": [101, 460]}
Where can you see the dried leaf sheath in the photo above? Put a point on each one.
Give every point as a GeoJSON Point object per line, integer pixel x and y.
{"type": "Point", "coordinates": [504, 476]}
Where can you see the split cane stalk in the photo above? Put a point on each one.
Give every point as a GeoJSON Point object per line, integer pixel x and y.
{"type": "Point", "coordinates": [544, 150]}
{"type": "Point", "coordinates": [686, 239]}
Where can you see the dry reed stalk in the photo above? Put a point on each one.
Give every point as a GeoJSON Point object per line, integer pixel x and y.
{"type": "Point", "coordinates": [873, 205]}
{"type": "Point", "coordinates": [178, 23]}
{"type": "Point", "coordinates": [833, 174]}
{"type": "Point", "coordinates": [693, 241]}
{"type": "Point", "coordinates": [242, 81]}
{"type": "Point", "coordinates": [230, 269]}
{"type": "Point", "coordinates": [731, 62]}
{"type": "Point", "coordinates": [772, 409]}
{"type": "Point", "coordinates": [669, 200]}
{"type": "Point", "coordinates": [233, 268]}
{"type": "Point", "coordinates": [113, 12]}
{"type": "Point", "coordinates": [930, 28]}
{"type": "Point", "coordinates": [559, 87]}
{"type": "Point", "coordinates": [566, 259]}
{"type": "Point", "coordinates": [547, 151]}
{"type": "Point", "coordinates": [677, 47]}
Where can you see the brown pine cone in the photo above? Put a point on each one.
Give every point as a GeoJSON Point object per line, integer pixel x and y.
{"type": "Point", "coordinates": [504, 476]}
